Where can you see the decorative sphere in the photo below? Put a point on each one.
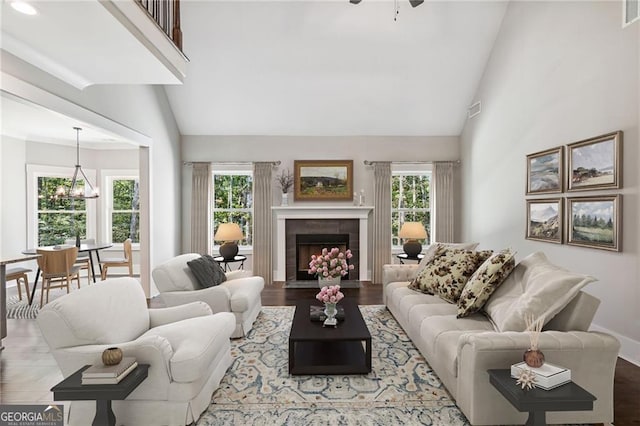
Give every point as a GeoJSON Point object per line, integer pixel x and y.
{"type": "Point", "coordinates": [112, 356]}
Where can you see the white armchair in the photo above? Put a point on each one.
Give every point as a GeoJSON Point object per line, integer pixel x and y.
{"type": "Point", "coordinates": [187, 348]}
{"type": "Point", "coordinates": [240, 294]}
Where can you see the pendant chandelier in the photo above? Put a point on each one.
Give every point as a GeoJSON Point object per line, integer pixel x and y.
{"type": "Point", "coordinates": [76, 191]}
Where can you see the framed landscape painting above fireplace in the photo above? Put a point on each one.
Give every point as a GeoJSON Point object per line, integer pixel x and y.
{"type": "Point", "coordinates": [320, 180]}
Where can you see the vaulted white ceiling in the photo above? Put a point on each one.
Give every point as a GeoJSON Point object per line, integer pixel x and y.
{"type": "Point", "coordinates": [331, 67]}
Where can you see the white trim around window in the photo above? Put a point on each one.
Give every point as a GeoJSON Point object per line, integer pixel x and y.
{"type": "Point", "coordinates": [106, 207]}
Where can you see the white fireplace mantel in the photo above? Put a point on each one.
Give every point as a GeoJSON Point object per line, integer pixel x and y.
{"type": "Point", "coordinates": [282, 213]}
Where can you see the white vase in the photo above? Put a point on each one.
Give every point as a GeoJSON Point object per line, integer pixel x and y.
{"type": "Point", "coordinates": [285, 199]}
{"type": "Point", "coordinates": [327, 281]}
{"type": "Point", "coordinates": [330, 310]}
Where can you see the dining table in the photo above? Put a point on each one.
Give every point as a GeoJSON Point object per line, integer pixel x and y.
{"type": "Point", "coordinates": [83, 248]}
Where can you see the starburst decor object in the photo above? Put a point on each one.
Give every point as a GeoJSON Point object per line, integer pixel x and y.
{"type": "Point", "coordinates": [533, 357]}
{"type": "Point", "coordinates": [526, 379]}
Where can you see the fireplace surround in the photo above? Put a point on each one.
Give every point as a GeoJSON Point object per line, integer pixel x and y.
{"type": "Point", "coordinates": [352, 220]}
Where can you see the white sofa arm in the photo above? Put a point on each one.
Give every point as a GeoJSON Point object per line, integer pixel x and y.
{"type": "Point", "coordinates": [240, 273]}
{"type": "Point", "coordinates": [590, 356]}
{"type": "Point", "coordinates": [218, 298]}
{"type": "Point", "coordinates": [393, 273]}
{"type": "Point", "coordinates": [161, 316]}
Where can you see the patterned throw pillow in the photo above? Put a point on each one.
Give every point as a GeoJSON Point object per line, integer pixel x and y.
{"type": "Point", "coordinates": [449, 271]}
{"type": "Point", "coordinates": [207, 271]}
{"type": "Point", "coordinates": [484, 281]}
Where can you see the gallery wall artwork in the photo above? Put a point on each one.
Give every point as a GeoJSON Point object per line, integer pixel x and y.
{"type": "Point", "coordinates": [594, 221]}
{"type": "Point", "coordinates": [544, 171]}
{"type": "Point", "coordinates": [595, 163]}
{"type": "Point", "coordinates": [320, 180]}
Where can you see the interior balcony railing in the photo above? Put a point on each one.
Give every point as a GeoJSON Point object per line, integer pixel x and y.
{"type": "Point", "coordinates": [166, 13]}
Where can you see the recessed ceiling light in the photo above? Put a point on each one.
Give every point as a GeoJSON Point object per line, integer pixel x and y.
{"type": "Point", "coordinates": [24, 7]}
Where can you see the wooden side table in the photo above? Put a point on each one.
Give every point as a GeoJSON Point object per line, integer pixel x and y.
{"type": "Point", "coordinates": [72, 389]}
{"type": "Point", "coordinates": [567, 397]}
{"type": "Point", "coordinates": [239, 258]}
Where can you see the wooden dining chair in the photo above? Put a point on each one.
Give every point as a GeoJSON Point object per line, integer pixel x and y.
{"type": "Point", "coordinates": [20, 275]}
{"type": "Point", "coordinates": [83, 260]}
{"type": "Point", "coordinates": [57, 268]}
{"type": "Point", "coordinates": [121, 262]}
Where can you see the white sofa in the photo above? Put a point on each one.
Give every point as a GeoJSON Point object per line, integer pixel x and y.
{"type": "Point", "coordinates": [187, 347]}
{"type": "Point", "coordinates": [241, 294]}
{"type": "Point", "coordinates": [461, 350]}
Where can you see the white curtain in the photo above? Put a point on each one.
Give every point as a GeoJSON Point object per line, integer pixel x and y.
{"type": "Point", "coordinates": [381, 218]}
{"type": "Point", "coordinates": [442, 214]}
{"type": "Point", "coordinates": [262, 221]}
{"type": "Point", "coordinates": [201, 208]}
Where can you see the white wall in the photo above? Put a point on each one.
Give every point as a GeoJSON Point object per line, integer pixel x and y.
{"type": "Point", "coordinates": [289, 148]}
{"type": "Point", "coordinates": [559, 72]}
{"type": "Point", "coordinates": [13, 222]}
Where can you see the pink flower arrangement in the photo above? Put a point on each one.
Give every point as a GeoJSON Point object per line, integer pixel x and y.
{"type": "Point", "coordinates": [330, 294]}
{"type": "Point", "coordinates": [331, 263]}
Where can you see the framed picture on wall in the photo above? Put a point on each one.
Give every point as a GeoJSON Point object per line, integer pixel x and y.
{"type": "Point", "coordinates": [544, 220]}
{"type": "Point", "coordinates": [320, 180]}
{"type": "Point", "coordinates": [545, 171]}
{"type": "Point", "coordinates": [595, 163]}
{"type": "Point", "coordinates": [595, 222]}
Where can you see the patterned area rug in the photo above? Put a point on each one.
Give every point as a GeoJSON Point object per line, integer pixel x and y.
{"type": "Point", "coordinates": [258, 390]}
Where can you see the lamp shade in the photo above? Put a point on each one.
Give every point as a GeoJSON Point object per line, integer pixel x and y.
{"type": "Point", "coordinates": [413, 230]}
{"type": "Point", "coordinates": [228, 232]}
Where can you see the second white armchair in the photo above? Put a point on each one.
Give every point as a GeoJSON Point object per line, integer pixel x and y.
{"type": "Point", "coordinates": [240, 294]}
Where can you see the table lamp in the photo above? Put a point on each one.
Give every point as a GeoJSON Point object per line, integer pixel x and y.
{"type": "Point", "coordinates": [412, 231]}
{"type": "Point", "coordinates": [230, 233]}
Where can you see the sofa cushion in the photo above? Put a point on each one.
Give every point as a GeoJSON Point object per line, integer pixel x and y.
{"type": "Point", "coordinates": [484, 281]}
{"type": "Point", "coordinates": [207, 271]}
{"type": "Point", "coordinates": [430, 253]}
{"type": "Point", "coordinates": [449, 271]}
{"type": "Point", "coordinates": [535, 287]}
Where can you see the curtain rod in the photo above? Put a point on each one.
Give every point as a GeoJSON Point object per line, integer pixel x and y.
{"type": "Point", "coordinates": [371, 163]}
{"type": "Point", "coordinates": [237, 163]}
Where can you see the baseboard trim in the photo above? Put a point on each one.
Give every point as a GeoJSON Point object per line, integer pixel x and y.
{"type": "Point", "coordinates": [629, 348]}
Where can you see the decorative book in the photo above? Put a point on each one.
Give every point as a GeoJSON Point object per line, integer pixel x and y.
{"type": "Point", "coordinates": [108, 374]}
{"type": "Point", "coordinates": [316, 313]}
{"type": "Point", "coordinates": [548, 376]}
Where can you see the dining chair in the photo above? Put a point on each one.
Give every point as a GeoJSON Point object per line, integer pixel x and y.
{"type": "Point", "coordinates": [83, 260]}
{"type": "Point", "coordinates": [126, 261]}
{"type": "Point", "coordinates": [57, 268]}
{"type": "Point", "coordinates": [20, 275]}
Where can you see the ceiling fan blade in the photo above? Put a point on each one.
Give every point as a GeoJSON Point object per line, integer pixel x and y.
{"type": "Point", "coordinates": [415, 3]}
{"type": "Point", "coordinates": [354, 1]}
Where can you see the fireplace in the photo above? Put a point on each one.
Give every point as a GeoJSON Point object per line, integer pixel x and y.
{"type": "Point", "coordinates": [292, 220]}
{"type": "Point", "coordinates": [305, 237]}
{"type": "Point", "coordinates": [310, 244]}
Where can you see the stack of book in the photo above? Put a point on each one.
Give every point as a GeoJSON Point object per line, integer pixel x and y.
{"type": "Point", "coordinates": [108, 374]}
{"type": "Point", "coordinates": [548, 376]}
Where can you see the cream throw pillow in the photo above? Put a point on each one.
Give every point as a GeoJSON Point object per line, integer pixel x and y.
{"type": "Point", "coordinates": [535, 287]}
{"type": "Point", "coordinates": [430, 253]}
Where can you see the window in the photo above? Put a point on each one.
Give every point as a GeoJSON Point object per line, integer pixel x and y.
{"type": "Point", "coordinates": [54, 220]}
{"type": "Point", "coordinates": [409, 199]}
{"type": "Point", "coordinates": [233, 201]}
{"type": "Point", "coordinates": [123, 207]}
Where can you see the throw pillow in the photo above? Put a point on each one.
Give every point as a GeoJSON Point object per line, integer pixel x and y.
{"type": "Point", "coordinates": [484, 281]}
{"type": "Point", "coordinates": [207, 271]}
{"type": "Point", "coordinates": [430, 253]}
{"type": "Point", "coordinates": [535, 287]}
{"type": "Point", "coordinates": [449, 271]}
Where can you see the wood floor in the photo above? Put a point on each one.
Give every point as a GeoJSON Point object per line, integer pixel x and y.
{"type": "Point", "coordinates": [28, 370]}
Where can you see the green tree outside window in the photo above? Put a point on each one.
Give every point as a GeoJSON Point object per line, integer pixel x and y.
{"type": "Point", "coordinates": [233, 202]}
{"type": "Point", "coordinates": [125, 213]}
{"type": "Point", "coordinates": [409, 202]}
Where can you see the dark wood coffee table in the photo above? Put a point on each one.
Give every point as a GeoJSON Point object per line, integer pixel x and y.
{"type": "Point", "coordinates": [314, 349]}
